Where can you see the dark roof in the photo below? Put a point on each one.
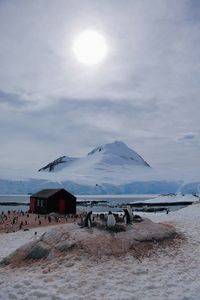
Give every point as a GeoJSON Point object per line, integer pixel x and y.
{"type": "Point", "coordinates": [48, 193]}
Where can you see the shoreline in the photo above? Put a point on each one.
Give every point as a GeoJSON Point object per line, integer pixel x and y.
{"type": "Point", "coordinates": [20, 221]}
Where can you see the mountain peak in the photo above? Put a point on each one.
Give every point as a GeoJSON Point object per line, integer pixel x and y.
{"type": "Point", "coordinates": [110, 147]}
{"type": "Point", "coordinates": [118, 150]}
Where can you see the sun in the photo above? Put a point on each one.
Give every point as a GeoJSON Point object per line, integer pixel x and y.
{"type": "Point", "coordinates": [90, 47]}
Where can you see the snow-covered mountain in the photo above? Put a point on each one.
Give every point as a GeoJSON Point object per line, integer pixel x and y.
{"type": "Point", "coordinates": [112, 168]}
{"type": "Point", "coordinates": [110, 163]}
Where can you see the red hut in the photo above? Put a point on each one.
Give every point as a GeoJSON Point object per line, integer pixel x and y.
{"type": "Point", "coordinates": [53, 200]}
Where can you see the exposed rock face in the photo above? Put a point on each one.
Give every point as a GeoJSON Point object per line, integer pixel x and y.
{"type": "Point", "coordinates": [61, 160]}
{"type": "Point", "coordinates": [94, 242]}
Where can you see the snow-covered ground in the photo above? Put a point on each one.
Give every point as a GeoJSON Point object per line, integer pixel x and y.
{"type": "Point", "coordinates": [168, 273]}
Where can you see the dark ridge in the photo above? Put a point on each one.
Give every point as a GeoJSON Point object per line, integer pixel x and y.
{"type": "Point", "coordinates": [141, 204]}
{"type": "Point", "coordinates": [13, 203]}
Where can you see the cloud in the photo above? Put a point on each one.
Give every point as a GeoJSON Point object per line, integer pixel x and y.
{"type": "Point", "coordinates": [145, 93]}
{"type": "Point", "coordinates": [188, 136]}
{"type": "Point", "coordinates": [11, 99]}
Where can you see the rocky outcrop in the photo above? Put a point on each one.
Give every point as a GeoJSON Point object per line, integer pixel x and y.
{"type": "Point", "coordinates": [90, 241]}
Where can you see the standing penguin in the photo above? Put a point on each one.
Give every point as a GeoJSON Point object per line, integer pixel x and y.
{"type": "Point", "coordinates": [111, 220]}
{"type": "Point", "coordinates": [126, 216]}
{"type": "Point", "coordinates": [130, 212]}
{"type": "Point", "coordinates": [88, 221]}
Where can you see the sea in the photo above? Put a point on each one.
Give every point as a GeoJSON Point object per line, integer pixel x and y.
{"type": "Point", "coordinates": [96, 203]}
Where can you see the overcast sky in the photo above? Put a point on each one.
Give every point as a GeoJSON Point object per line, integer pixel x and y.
{"type": "Point", "coordinates": [145, 93]}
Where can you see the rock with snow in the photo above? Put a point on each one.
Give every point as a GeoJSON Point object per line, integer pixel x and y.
{"type": "Point", "coordinates": [71, 239]}
{"type": "Point", "coordinates": [61, 161]}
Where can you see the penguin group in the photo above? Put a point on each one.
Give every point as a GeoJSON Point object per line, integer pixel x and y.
{"type": "Point", "coordinates": [128, 217]}
{"type": "Point", "coordinates": [111, 221]}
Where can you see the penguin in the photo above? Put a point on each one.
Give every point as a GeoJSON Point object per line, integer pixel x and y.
{"type": "Point", "coordinates": [88, 221]}
{"type": "Point", "coordinates": [130, 212]}
{"type": "Point", "coordinates": [126, 216]}
{"type": "Point", "coordinates": [111, 220]}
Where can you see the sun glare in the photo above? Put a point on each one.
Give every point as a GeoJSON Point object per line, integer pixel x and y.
{"type": "Point", "coordinates": [90, 47]}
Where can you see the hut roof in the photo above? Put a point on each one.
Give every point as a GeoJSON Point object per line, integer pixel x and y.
{"type": "Point", "coordinates": [48, 193]}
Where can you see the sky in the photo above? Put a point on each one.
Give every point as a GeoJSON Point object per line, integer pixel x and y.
{"type": "Point", "coordinates": [144, 93]}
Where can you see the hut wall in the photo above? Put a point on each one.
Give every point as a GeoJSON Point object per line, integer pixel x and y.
{"type": "Point", "coordinates": [60, 202]}
{"type": "Point", "coordinates": [53, 203]}
{"type": "Point", "coordinates": [41, 207]}
{"type": "Point", "coordinates": [70, 206]}
{"type": "Point", "coordinates": [32, 204]}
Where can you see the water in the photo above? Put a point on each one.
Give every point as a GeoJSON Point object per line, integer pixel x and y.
{"type": "Point", "coordinates": [19, 200]}
{"type": "Point", "coordinates": [100, 203]}
{"type": "Point", "coordinates": [108, 202]}
{"type": "Point", "coordinates": [112, 202]}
